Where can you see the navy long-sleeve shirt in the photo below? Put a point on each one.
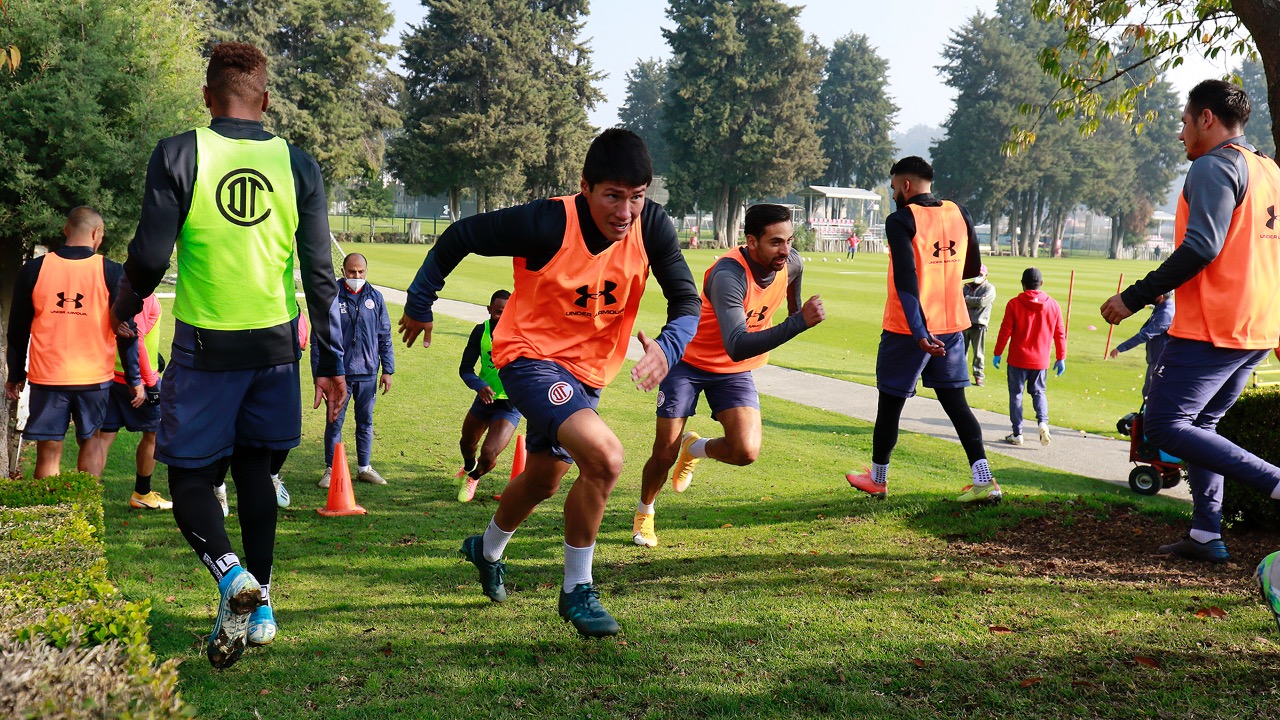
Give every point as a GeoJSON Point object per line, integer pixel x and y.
{"type": "Point", "coordinates": [535, 232]}
{"type": "Point", "coordinates": [899, 230]}
{"type": "Point", "coordinates": [22, 314]}
{"type": "Point", "coordinates": [171, 176]}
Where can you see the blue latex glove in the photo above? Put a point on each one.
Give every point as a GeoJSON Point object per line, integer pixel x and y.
{"type": "Point", "coordinates": [1060, 367]}
{"type": "Point", "coordinates": [995, 361]}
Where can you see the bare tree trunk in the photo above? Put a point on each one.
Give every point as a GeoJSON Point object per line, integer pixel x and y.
{"type": "Point", "coordinates": [995, 232]}
{"type": "Point", "coordinates": [455, 203]}
{"type": "Point", "coordinates": [1262, 17]}
{"type": "Point", "coordinates": [735, 217]}
{"type": "Point", "coordinates": [720, 217]}
{"type": "Point", "coordinates": [12, 254]}
{"type": "Point", "coordinates": [1117, 234]}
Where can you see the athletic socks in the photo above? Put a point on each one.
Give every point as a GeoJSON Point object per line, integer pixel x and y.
{"type": "Point", "coordinates": [1204, 536]}
{"type": "Point", "coordinates": [474, 473]}
{"type": "Point", "coordinates": [142, 484]}
{"type": "Point", "coordinates": [698, 448]}
{"type": "Point", "coordinates": [495, 541]}
{"type": "Point", "coordinates": [577, 565]}
{"type": "Point", "coordinates": [266, 594]}
{"type": "Point", "coordinates": [879, 473]}
{"type": "Point", "coordinates": [470, 465]}
{"type": "Point", "coordinates": [644, 509]}
{"type": "Point", "coordinates": [363, 468]}
{"type": "Point", "coordinates": [981, 472]}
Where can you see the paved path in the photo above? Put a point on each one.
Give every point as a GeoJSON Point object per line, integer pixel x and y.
{"type": "Point", "coordinates": [1072, 451]}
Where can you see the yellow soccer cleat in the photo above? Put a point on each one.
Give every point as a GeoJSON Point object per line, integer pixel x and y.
{"type": "Point", "coordinates": [150, 501]}
{"type": "Point", "coordinates": [683, 473]}
{"type": "Point", "coordinates": [981, 494]}
{"type": "Point", "coordinates": [643, 533]}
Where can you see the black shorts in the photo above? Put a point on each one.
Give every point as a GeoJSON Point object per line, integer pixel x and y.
{"type": "Point", "coordinates": [122, 414]}
{"type": "Point", "coordinates": [54, 408]}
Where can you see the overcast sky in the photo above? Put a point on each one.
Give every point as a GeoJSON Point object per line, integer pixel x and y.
{"type": "Point", "coordinates": [910, 35]}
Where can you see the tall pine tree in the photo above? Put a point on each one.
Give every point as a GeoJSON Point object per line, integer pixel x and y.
{"type": "Point", "coordinates": [857, 113]}
{"type": "Point", "coordinates": [743, 105]}
{"type": "Point", "coordinates": [642, 110]}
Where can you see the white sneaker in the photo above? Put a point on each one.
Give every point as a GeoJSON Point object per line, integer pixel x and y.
{"type": "Point", "coordinates": [1045, 437]}
{"type": "Point", "coordinates": [1013, 439]}
{"type": "Point", "coordinates": [282, 492]}
{"type": "Point", "coordinates": [220, 492]}
{"type": "Point", "coordinates": [324, 479]}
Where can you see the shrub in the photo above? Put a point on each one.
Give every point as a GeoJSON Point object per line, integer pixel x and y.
{"type": "Point", "coordinates": [1251, 424]}
{"type": "Point", "coordinates": [806, 239]}
{"type": "Point", "coordinates": [70, 646]}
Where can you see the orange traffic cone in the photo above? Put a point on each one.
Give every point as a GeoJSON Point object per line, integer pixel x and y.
{"type": "Point", "coordinates": [342, 499]}
{"type": "Point", "coordinates": [517, 461]}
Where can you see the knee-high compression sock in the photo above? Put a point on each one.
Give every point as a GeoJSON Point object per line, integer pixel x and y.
{"type": "Point", "coordinates": [966, 425]}
{"type": "Point", "coordinates": [885, 436]}
{"type": "Point", "coordinates": [199, 516]}
{"type": "Point", "coordinates": [256, 505]}
{"type": "Point", "coordinates": [277, 460]}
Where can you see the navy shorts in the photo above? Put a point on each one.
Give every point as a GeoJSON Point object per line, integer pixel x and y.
{"type": "Point", "coordinates": [901, 363]}
{"type": "Point", "coordinates": [204, 414]}
{"type": "Point", "coordinates": [53, 409]}
{"type": "Point", "coordinates": [679, 391]}
{"type": "Point", "coordinates": [122, 414]}
{"type": "Point", "coordinates": [496, 410]}
{"type": "Point", "coordinates": [546, 394]}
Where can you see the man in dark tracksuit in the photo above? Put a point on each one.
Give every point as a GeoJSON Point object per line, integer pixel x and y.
{"type": "Point", "coordinates": [1154, 334]}
{"type": "Point", "coordinates": [234, 199]}
{"type": "Point", "coordinates": [366, 344]}
{"type": "Point", "coordinates": [1226, 267]}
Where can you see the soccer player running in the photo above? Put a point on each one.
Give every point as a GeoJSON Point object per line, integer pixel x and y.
{"type": "Point", "coordinates": [234, 198]}
{"type": "Point", "coordinates": [580, 265]}
{"type": "Point", "coordinates": [1226, 268]}
{"type": "Point", "coordinates": [932, 248]}
{"type": "Point", "coordinates": [137, 408]}
{"type": "Point", "coordinates": [492, 417]}
{"type": "Point", "coordinates": [741, 292]}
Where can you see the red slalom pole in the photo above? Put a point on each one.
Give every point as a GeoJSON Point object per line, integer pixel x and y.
{"type": "Point", "coordinates": [1112, 329]}
{"type": "Point", "coordinates": [1071, 291]}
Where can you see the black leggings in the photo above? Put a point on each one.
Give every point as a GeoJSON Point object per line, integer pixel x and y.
{"type": "Point", "coordinates": [277, 460]}
{"type": "Point", "coordinates": [200, 517]}
{"type": "Point", "coordinates": [953, 403]}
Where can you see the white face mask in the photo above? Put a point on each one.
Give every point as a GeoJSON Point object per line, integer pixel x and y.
{"type": "Point", "coordinates": [354, 284]}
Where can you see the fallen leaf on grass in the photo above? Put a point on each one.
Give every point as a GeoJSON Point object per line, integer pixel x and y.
{"type": "Point", "coordinates": [1029, 682]}
{"type": "Point", "coordinates": [999, 630]}
{"type": "Point", "coordinates": [1147, 662]}
{"type": "Point", "coordinates": [171, 598]}
{"type": "Point", "coordinates": [386, 649]}
{"type": "Point", "coordinates": [936, 578]}
{"type": "Point", "coordinates": [1211, 612]}
{"type": "Point", "coordinates": [813, 552]}
{"type": "Point", "coordinates": [917, 662]}
{"type": "Point", "coordinates": [726, 526]}
{"type": "Point", "coordinates": [264, 691]}
{"type": "Point", "coordinates": [822, 517]}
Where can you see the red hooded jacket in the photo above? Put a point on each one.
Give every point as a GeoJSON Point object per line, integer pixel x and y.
{"type": "Point", "coordinates": [1030, 321]}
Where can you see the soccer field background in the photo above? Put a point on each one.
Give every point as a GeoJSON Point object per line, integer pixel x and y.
{"type": "Point", "coordinates": [776, 592]}
{"type": "Point", "coordinates": [1091, 395]}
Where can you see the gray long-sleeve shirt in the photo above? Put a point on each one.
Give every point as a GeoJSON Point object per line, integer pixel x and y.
{"type": "Point", "coordinates": [726, 290]}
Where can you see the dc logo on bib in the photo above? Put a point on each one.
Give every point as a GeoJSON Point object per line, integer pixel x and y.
{"type": "Point", "coordinates": [241, 197]}
{"type": "Point", "coordinates": [662, 399]}
{"type": "Point", "coordinates": [560, 393]}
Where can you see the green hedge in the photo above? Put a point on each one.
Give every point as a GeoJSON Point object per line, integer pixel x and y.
{"type": "Point", "coordinates": [70, 646]}
{"type": "Point", "coordinates": [1252, 424]}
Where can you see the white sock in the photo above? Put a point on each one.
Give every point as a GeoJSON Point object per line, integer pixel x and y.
{"type": "Point", "coordinates": [644, 509]}
{"type": "Point", "coordinates": [495, 541]}
{"type": "Point", "coordinates": [698, 448]}
{"type": "Point", "coordinates": [1204, 536]}
{"type": "Point", "coordinates": [275, 478]}
{"type": "Point", "coordinates": [1275, 492]}
{"type": "Point", "coordinates": [981, 472]}
{"type": "Point", "coordinates": [364, 468]}
{"type": "Point", "coordinates": [879, 473]}
{"type": "Point", "coordinates": [577, 565]}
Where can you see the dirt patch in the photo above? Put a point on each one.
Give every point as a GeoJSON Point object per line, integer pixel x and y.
{"type": "Point", "coordinates": [1119, 547]}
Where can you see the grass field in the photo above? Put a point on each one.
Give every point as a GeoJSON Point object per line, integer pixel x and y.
{"type": "Point", "coordinates": [776, 592]}
{"type": "Point", "coordinates": [1090, 396]}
